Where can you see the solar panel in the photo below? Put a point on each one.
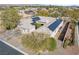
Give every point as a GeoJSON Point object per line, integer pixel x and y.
{"type": "Point", "coordinates": [34, 19]}
{"type": "Point", "coordinates": [54, 25]}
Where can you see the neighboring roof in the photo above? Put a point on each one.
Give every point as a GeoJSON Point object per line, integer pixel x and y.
{"type": "Point", "coordinates": [7, 50]}
{"type": "Point", "coordinates": [54, 25]}
{"type": "Point", "coordinates": [29, 12]}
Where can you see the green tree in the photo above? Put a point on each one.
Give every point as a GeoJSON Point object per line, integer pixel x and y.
{"type": "Point", "coordinates": [42, 13]}
{"type": "Point", "coordinates": [54, 15]}
{"type": "Point", "coordinates": [38, 42]}
{"type": "Point", "coordinates": [10, 18]}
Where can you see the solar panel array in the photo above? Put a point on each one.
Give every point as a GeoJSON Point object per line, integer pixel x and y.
{"type": "Point", "coordinates": [54, 25]}
{"type": "Point", "coordinates": [34, 19]}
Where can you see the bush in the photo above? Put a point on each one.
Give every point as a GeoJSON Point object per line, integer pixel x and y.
{"type": "Point", "coordinates": [10, 18]}
{"type": "Point", "coordinates": [38, 42]}
{"type": "Point", "coordinates": [42, 13]}
{"type": "Point", "coordinates": [52, 44]}
{"type": "Point", "coordinates": [67, 42]}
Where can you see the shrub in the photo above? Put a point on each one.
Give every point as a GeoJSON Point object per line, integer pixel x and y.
{"type": "Point", "coordinates": [10, 18]}
{"type": "Point", "coordinates": [67, 42]}
{"type": "Point", "coordinates": [52, 44]}
{"type": "Point", "coordinates": [38, 42]}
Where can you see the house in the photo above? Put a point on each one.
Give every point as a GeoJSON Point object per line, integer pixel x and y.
{"type": "Point", "coordinates": [52, 27]}
{"type": "Point", "coordinates": [26, 26]}
{"type": "Point", "coordinates": [23, 14]}
{"type": "Point", "coordinates": [30, 12]}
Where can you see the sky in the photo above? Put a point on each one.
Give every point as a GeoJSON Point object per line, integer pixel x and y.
{"type": "Point", "coordinates": [49, 2]}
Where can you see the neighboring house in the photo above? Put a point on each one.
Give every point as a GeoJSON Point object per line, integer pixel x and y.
{"type": "Point", "coordinates": [23, 14]}
{"type": "Point", "coordinates": [30, 12]}
{"type": "Point", "coordinates": [34, 9]}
